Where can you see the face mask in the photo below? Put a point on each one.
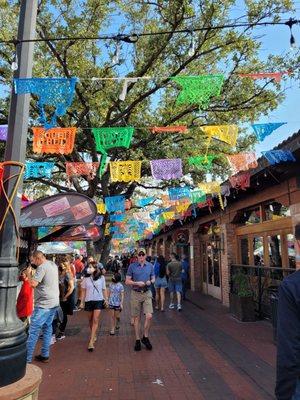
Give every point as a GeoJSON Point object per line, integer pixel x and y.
{"type": "Point", "coordinates": [90, 270]}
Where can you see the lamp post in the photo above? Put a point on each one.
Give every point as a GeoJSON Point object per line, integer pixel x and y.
{"type": "Point", "coordinates": [12, 335]}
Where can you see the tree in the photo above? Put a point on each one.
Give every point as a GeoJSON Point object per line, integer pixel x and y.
{"type": "Point", "coordinates": [148, 102]}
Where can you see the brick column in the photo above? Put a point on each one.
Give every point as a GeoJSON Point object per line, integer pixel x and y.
{"type": "Point", "coordinates": [195, 262]}
{"type": "Point", "coordinates": [228, 257]}
{"type": "Point", "coordinates": [295, 214]}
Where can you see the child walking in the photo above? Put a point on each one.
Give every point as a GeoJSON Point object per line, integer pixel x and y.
{"type": "Point", "coordinates": [115, 301]}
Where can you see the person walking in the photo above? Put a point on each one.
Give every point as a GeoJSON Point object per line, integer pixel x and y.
{"type": "Point", "coordinates": [115, 301]}
{"type": "Point", "coordinates": [93, 299]}
{"type": "Point", "coordinates": [25, 297]}
{"type": "Point", "coordinates": [160, 282]}
{"type": "Point", "coordinates": [175, 286]}
{"type": "Point", "coordinates": [67, 296]}
{"type": "Point", "coordinates": [139, 276]}
{"type": "Point", "coordinates": [46, 301]}
{"type": "Point", "coordinates": [288, 339]}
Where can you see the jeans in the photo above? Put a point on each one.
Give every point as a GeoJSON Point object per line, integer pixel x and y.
{"type": "Point", "coordinates": [297, 392]}
{"type": "Point", "coordinates": [42, 318]}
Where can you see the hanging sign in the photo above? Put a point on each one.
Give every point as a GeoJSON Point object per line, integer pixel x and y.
{"type": "Point", "coordinates": [3, 132]}
{"type": "Point", "coordinates": [60, 209]}
{"type": "Point", "coordinates": [166, 168]}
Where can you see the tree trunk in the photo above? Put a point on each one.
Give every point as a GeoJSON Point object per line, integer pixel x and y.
{"type": "Point", "coordinates": [102, 248]}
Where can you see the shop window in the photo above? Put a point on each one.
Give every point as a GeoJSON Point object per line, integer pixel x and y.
{"type": "Point", "coordinates": [250, 217]}
{"type": "Point", "coordinates": [275, 210]}
{"type": "Point", "coordinates": [291, 250]}
{"type": "Point", "coordinates": [244, 251]}
{"type": "Point", "coordinates": [274, 246]}
{"type": "Point", "coordinates": [258, 250]}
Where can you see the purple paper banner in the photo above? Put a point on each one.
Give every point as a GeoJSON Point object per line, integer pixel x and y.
{"type": "Point", "coordinates": [3, 133]}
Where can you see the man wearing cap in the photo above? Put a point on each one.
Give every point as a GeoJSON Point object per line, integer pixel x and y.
{"type": "Point", "coordinates": [139, 276]}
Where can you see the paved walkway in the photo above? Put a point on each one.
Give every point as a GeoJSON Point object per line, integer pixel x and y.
{"type": "Point", "coordinates": [200, 353]}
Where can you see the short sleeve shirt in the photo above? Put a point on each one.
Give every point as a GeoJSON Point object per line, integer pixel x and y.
{"type": "Point", "coordinates": [174, 268]}
{"type": "Point", "coordinates": [94, 289]}
{"type": "Point", "coordinates": [115, 294]}
{"type": "Point", "coordinates": [46, 293]}
{"type": "Point", "coordinates": [137, 272]}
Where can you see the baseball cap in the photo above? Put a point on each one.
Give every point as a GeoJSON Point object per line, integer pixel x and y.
{"type": "Point", "coordinates": [141, 250]}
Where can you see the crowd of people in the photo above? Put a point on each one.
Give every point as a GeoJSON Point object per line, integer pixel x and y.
{"type": "Point", "coordinates": [51, 291]}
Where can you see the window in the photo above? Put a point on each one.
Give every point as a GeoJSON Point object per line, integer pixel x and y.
{"type": "Point", "coordinates": [291, 250]}
{"type": "Point", "coordinates": [244, 251]}
{"type": "Point", "coordinates": [274, 246]}
{"type": "Point", "coordinates": [275, 210]}
{"type": "Point", "coordinates": [250, 217]}
{"type": "Point", "coordinates": [258, 250]}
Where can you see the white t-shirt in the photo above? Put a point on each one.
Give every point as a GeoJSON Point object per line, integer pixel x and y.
{"type": "Point", "coordinates": [94, 289]}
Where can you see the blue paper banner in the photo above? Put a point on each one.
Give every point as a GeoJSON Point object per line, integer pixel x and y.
{"type": "Point", "coordinates": [278, 156]}
{"type": "Point", "coordinates": [178, 193]}
{"type": "Point", "coordinates": [56, 92]}
{"type": "Point", "coordinates": [264, 130]}
{"type": "Point", "coordinates": [115, 203]}
{"type": "Point", "coordinates": [38, 170]}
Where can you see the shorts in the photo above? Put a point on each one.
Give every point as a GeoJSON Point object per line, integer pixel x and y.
{"type": "Point", "coordinates": [141, 301]}
{"type": "Point", "coordinates": [116, 308]}
{"type": "Point", "coordinates": [160, 283]}
{"type": "Point", "coordinates": [94, 305]}
{"type": "Point", "coordinates": [175, 286]}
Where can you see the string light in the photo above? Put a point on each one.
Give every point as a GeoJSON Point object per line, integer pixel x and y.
{"type": "Point", "coordinates": [290, 23]}
{"type": "Point", "coordinates": [192, 48]}
{"type": "Point", "coordinates": [116, 56]}
{"type": "Point", "coordinates": [14, 64]}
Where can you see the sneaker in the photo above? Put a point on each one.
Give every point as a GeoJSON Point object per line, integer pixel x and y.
{"type": "Point", "coordinates": [53, 339]}
{"type": "Point", "coordinates": [41, 358]}
{"type": "Point", "coordinates": [171, 306]}
{"type": "Point", "coordinates": [147, 343]}
{"type": "Point", "coordinates": [178, 307]}
{"type": "Point", "coordinates": [60, 336]}
{"type": "Point", "coordinates": [137, 346]}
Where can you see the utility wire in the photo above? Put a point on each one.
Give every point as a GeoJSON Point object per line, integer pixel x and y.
{"type": "Point", "coordinates": [133, 37]}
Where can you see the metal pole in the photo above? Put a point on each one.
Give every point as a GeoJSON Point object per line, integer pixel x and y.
{"type": "Point", "coordinates": [12, 335]}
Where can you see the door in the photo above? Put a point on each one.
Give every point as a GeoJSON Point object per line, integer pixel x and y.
{"type": "Point", "coordinates": [211, 264]}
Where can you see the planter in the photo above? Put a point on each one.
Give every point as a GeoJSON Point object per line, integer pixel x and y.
{"type": "Point", "coordinates": [242, 308]}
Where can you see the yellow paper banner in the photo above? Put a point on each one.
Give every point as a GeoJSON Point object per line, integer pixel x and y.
{"type": "Point", "coordinates": [125, 171]}
{"type": "Point", "coordinates": [225, 133]}
{"type": "Point", "coordinates": [101, 208]}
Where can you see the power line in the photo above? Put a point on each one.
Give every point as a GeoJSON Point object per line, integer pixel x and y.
{"type": "Point", "coordinates": [133, 37]}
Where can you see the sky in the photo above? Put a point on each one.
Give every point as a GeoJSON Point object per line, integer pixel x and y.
{"type": "Point", "coordinates": [276, 41]}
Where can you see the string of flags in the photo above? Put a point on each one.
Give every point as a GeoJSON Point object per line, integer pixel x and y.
{"type": "Point", "coordinates": [57, 94]}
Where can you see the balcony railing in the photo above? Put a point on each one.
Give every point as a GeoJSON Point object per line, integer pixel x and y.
{"type": "Point", "coordinates": [261, 281]}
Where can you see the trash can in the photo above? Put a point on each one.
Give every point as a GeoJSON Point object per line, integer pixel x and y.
{"type": "Point", "coordinates": [273, 296]}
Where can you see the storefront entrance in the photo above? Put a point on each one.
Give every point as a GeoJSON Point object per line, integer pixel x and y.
{"type": "Point", "coordinates": [211, 267]}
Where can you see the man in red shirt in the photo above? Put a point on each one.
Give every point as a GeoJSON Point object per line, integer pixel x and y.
{"type": "Point", "coordinates": [79, 267]}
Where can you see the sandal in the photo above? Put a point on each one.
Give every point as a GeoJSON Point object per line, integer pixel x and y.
{"type": "Point", "coordinates": [91, 346]}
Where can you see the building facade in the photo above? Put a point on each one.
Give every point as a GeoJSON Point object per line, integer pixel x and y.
{"type": "Point", "coordinates": [259, 226]}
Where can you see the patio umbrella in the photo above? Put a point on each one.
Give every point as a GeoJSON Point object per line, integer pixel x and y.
{"type": "Point", "coordinates": [55, 248]}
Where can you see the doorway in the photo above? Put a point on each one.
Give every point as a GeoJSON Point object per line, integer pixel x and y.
{"type": "Point", "coordinates": [211, 267]}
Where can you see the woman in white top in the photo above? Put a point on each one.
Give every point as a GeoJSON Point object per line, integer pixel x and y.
{"type": "Point", "coordinates": [93, 299]}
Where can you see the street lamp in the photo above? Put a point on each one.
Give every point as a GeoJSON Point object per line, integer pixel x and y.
{"type": "Point", "coordinates": [12, 335]}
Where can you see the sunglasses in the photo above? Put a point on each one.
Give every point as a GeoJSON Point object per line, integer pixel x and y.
{"type": "Point", "coordinates": [141, 254]}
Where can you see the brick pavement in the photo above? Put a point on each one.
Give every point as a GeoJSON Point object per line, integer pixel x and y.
{"type": "Point", "coordinates": [200, 353]}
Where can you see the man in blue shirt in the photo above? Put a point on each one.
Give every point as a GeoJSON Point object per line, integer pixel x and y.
{"type": "Point", "coordinates": [288, 339]}
{"type": "Point", "coordinates": [139, 276]}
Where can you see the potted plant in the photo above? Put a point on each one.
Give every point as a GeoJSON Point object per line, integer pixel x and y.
{"type": "Point", "coordinates": [241, 298]}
